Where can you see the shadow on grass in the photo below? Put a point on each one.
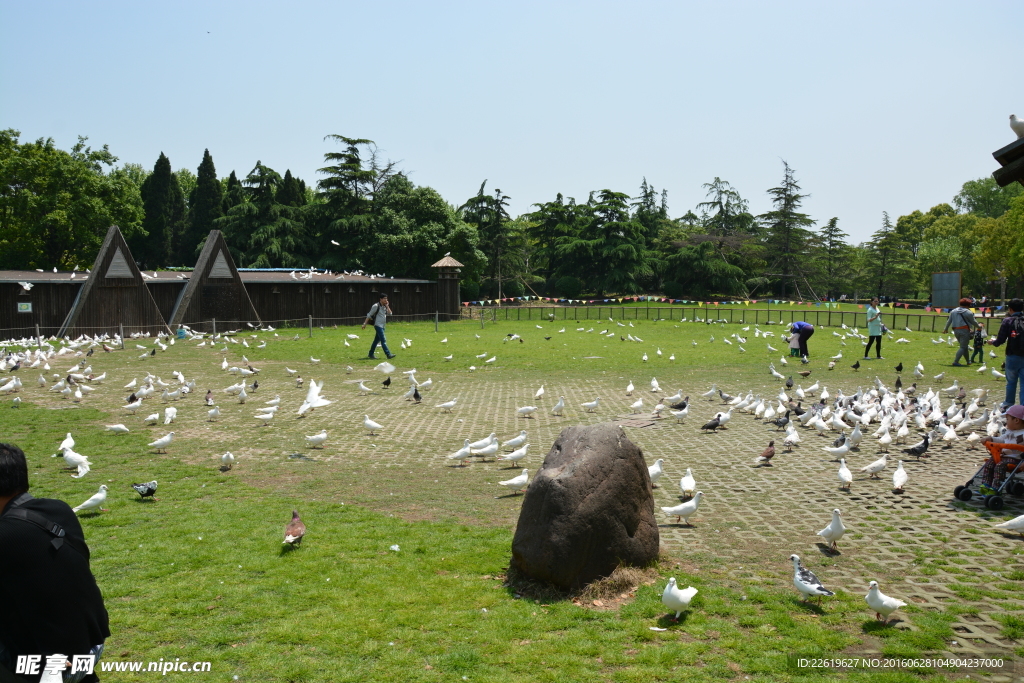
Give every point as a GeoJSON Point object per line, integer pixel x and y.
{"type": "Point", "coordinates": [876, 627]}
{"type": "Point", "coordinates": [808, 606]}
{"type": "Point", "coordinates": [667, 621]}
{"type": "Point", "coordinates": [825, 550]}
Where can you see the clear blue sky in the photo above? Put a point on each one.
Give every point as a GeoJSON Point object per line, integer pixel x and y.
{"type": "Point", "coordinates": [878, 106]}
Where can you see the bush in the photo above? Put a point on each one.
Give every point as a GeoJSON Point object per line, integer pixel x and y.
{"type": "Point", "coordinates": [568, 287]}
{"type": "Point", "coordinates": [513, 288]}
{"type": "Point", "coordinates": [673, 290]}
{"type": "Point", "coordinates": [469, 291]}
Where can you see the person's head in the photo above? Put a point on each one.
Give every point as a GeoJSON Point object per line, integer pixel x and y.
{"type": "Point", "coordinates": [383, 298]}
{"type": "Point", "coordinates": [874, 301]}
{"type": "Point", "coordinates": [1016, 305]}
{"type": "Point", "coordinates": [13, 471]}
{"type": "Point", "coordinates": [965, 302]}
{"type": "Point", "coordinates": [1015, 417]}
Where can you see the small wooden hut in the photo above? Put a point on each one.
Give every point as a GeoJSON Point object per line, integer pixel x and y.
{"type": "Point", "coordinates": [448, 302]}
{"type": "Point", "coordinates": [215, 290]}
{"type": "Point", "coordinates": [114, 294]}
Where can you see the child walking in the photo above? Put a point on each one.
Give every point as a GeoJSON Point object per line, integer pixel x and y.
{"type": "Point", "coordinates": [979, 344]}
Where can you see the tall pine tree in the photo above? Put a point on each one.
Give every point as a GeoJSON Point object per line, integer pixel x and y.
{"type": "Point", "coordinates": [164, 220]}
{"type": "Point", "coordinates": [205, 206]}
{"type": "Point", "coordinates": [786, 232]}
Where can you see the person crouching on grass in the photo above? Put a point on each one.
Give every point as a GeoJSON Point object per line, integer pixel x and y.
{"type": "Point", "coordinates": [49, 597]}
{"type": "Point", "coordinates": [1013, 433]}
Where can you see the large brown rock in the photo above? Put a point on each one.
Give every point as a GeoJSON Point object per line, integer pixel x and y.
{"type": "Point", "coordinates": [589, 509]}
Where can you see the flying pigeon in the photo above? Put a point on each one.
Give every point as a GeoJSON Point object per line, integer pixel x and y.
{"type": "Point", "coordinates": [684, 510]}
{"type": "Point", "coordinates": [294, 531]}
{"type": "Point", "coordinates": [146, 490]}
{"type": "Point", "coordinates": [881, 603]}
{"type": "Point", "coordinates": [806, 582]}
{"type": "Point", "coordinates": [677, 599]}
{"type": "Point", "coordinates": [95, 501]}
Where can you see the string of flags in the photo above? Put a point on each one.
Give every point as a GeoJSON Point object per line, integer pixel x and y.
{"type": "Point", "coordinates": [834, 305]}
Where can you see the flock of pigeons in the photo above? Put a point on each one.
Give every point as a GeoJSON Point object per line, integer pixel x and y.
{"type": "Point", "coordinates": [897, 411]}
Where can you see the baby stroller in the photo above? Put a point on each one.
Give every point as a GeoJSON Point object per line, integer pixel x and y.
{"type": "Point", "coordinates": [994, 497]}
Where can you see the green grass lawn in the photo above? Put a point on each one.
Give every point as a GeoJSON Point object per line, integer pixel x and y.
{"type": "Point", "coordinates": [201, 574]}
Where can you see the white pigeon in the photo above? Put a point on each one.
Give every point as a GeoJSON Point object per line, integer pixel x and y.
{"type": "Point", "coordinates": [516, 455]}
{"type": "Point", "coordinates": [291, 373]}
{"type": "Point", "coordinates": [655, 387]}
{"type": "Point", "coordinates": [317, 440]}
{"type": "Point", "coordinates": [677, 599]}
{"type": "Point", "coordinates": [526, 411]}
{"type": "Point", "coordinates": [447, 405]}
{"type": "Point", "coordinates": [214, 413]}
{"type": "Point", "coordinates": [117, 429]}
{"type": "Point", "coordinates": [313, 398]}
{"type": "Point", "coordinates": [835, 530]}
{"type": "Point", "coordinates": [629, 389]}
{"type": "Point", "coordinates": [684, 510]}
{"type": "Point", "coordinates": [899, 477]}
{"type": "Point", "coordinates": [76, 461]}
{"type": "Point", "coordinates": [227, 460]}
{"type": "Point", "coordinates": [1015, 524]}
{"type": "Point", "coordinates": [592, 405]}
{"type": "Point", "coordinates": [877, 466]}
{"type": "Point", "coordinates": [516, 441]}
{"type": "Point", "coordinates": [806, 582]}
{"type": "Point", "coordinates": [517, 483]}
{"type": "Point", "coordinates": [363, 389]}
{"type": "Point", "coordinates": [1017, 126]}
{"type": "Point", "coordinates": [687, 484]}
{"type": "Point", "coordinates": [276, 401]}
{"type": "Point", "coordinates": [881, 603]}
{"type": "Point", "coordinates": [486, 441]}
{"type": "Point", "coordinates": [169, 415]}
{"type": "Point", "coordinates": [163, 442]}
{"type": "Point", "coordinates": [637, 405]}
{"type": "Point", "coordinates": [95, 501]}
{"type": "Point", "coordinates": [68, 442]}
{"type": "Point", "coordinates": [656, 470]}
{"type": "Point", "coordinates": [557, 410]}
{"type": "Point", "coordinates": [152, 419]}
{"type": "Point", "coordinates": [265, 417]}
{"type": "Point", "coordinates": [845, 476]}
{"type": "Point", "coordinates": [540, 392]}
{"type": "Point", "coordinates": [461, 454]}
{"type": "Point", "coordinates": [371, 425]}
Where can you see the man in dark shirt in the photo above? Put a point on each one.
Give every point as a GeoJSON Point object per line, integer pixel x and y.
{"type": "Point", "coordinates": [1010, 333]}
{"type": "Point", "coordinates": [48, 597]}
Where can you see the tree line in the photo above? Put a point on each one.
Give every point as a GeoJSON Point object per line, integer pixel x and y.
{"type": "Point", "coordinates": [365, 213]}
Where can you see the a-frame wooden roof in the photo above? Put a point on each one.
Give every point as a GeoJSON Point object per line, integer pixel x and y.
{"type": "Point", "coordinates": [215, 289]}
{"type": "Point", "coordinates": [114, 294]}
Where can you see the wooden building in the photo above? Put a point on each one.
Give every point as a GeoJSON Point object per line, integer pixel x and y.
{"type": "Point", "coordinates": [215, 290]}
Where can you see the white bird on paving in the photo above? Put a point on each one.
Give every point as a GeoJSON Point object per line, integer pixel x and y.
{"type": "Point", "coordinates": [76, 461]}
{"type": "Point", "coordinates": [638, 405]}
{"type": "Point", "coordinates": [656, 470]}
{"type": "Point", "coordinates": [592, 405]}
{"type": "Point", "coordinates": [526, 411]}
{"type": "Point", "coordinates": [276, 401]}
{"type": "Point", "coordinates": [98, 499]}
{"type": "Point", "coordinates": [516, 441]}
{"type": "Point", "coordinates": [845, 476]}
{"type": "Point", "coordinates": [213, 413]}
{"type": "Point", "coordinates": [540, 392]}
{"type": "Point", "coordinates": [711, 393]}
{"type": "Point", "coordinates": [654, 385]}
{"type": "Point", "coordinates": [487, 441]}
{"type": "Point", "coordinates": [163, 442]}
{"type": "Point", "coordinates": [117, 429]}
{"type": "Point", "coordinates": [152, 419]}
{"type": "Point", "coordinates": [881, 603]}
{"type": "Point", "coordinates": [834, 532]}
{"type": "Point", "coordinates": [687, 484]}
{"type": "Point", "coordinates": [169, 415]}
{"type": "Point", "coordinates": [680, 415]}
{"type": "Point", "coordinates": [490, 449]}
{"type": "Point", "coordinates": [462, 454]}
{"type": "Point", "coordinates": [629, 389]}
{"type": "Point", "coordinates": [132, 384]}
{"type": "Point", "coordinates": [806, 582]}
{"type": "Point", "coordinates": [1015, 524]}
{"type": "Point", "coordinates": [313, 398]}
{"type": "Point", "coordinates": [227, 460]}
{"type": "Point", "coordinates": [363, 389]}
{"type": "Point", "coordinates": [371, 425]}
{"type": "Point", "coordinates": [242, 396]}
{"type": "Point", "coordinates": [677, 599]}
{"type": "Point", "coordinates": [447, 405]}
{"type": "Point", "coordinates": [516, 455]}
{"type": "Point", "coordinates": [557, 410]}
{"type": "Point", "coordinates": [517, 483]}
{"type": "Point", "coordinates": [317, 440]}
{"type": "Point", "coordinates": [684, 510]}
{"type": "Point", "coordinates": [899, 477]}
{"type": "Point", "coordinates": [877, 466]}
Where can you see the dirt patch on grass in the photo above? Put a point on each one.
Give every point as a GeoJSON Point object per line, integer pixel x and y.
{"type": "Point", "coordinates": [609, 593]}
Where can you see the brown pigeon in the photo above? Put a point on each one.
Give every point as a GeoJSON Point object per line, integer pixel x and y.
{"type": "Point", "coordinates": [804, 373]}
{"type": "Point", "coordinates": [766, 455]}
{"type": "Point", "coordinates": [295, 530]}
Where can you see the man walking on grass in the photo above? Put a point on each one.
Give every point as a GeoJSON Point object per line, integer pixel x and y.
{"type": "Point", "coordinates": [378, 316]}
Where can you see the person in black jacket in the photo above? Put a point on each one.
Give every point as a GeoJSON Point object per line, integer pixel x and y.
{"type": "Point", "coordinates": [49, 600]}
{"type": "Point", "coordinates": [1011, 332]}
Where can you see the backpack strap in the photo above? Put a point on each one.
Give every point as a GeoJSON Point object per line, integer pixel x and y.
{"type": "Point", "coordinates": [39, 520]}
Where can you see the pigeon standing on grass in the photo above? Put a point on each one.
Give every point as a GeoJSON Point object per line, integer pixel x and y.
{"type": "Point", "coordinates": [517, 483]}
{"type": "Point", "coordinates": [806, 582]}
{"type": "Point", "coordinates": [95, 501]}
{"type": "Point", "coordinates": [881, 603]}
{"type": "Point", "coordinates": [677, 599]}
{"type": "Point", "coordinates": [146, 490]}
{"type": "Point", "coordinates": [294, 531]}
{"type": "Point", "coordinates": [163, 442]}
